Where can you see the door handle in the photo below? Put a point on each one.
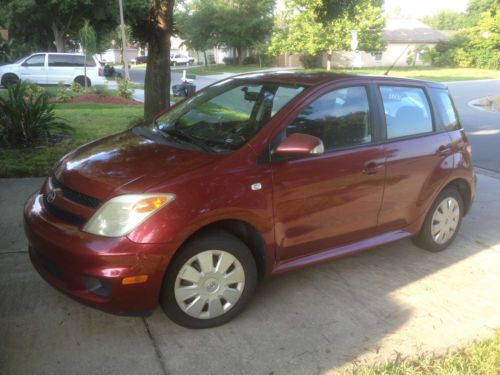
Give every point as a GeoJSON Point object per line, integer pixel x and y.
{"type": "Point", "coordinates": [371, 168]}
{"type": "Point", "coordinates": [444, 150]}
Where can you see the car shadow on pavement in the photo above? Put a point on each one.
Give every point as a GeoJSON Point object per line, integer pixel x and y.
{"type": "Point", "coordinates": [392, 299]}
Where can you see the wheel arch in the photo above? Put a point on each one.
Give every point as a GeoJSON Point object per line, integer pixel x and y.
{"type": "Point", "coordinates": [82, 76]}
{"type": "Point", "coordinates": [6, 74]}
{"type": "Point", "coordinates": [464, 189]}
{"type": "Point", "coordinates": [243, 231]}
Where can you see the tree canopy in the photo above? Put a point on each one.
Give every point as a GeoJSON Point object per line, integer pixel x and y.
{"type": "Point", "coordinates": [305, 28]}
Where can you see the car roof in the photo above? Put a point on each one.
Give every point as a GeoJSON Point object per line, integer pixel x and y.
{"type": "Point", "coordinates": [315, 79]}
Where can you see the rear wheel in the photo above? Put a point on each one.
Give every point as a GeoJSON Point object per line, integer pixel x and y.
{"type": "Point", "coordinates": [81, 81]}
{"type": "Point", "coordinates": [9, 80]}
{"type": "Point", "coordinates": [442, 222]}
{"type": "Point", "coordinates": [209, 282]}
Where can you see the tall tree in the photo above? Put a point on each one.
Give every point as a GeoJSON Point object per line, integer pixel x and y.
{"type": "Point", "coordinates": [57, 21]}
{"type": "Point", "coordinates": [156, 29]}
{"type": "Point", "coordinates": [308, 26]}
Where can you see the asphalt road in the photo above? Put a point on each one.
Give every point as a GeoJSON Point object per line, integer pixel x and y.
{"type": "Point", "coordinates": [482, 127]}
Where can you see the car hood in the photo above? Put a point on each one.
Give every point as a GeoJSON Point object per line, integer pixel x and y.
{"type": "Point", "coordinates": [126, 163]}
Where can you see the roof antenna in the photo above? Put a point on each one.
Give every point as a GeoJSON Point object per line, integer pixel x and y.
{"type": "Point", "coordinates": [394, 63]}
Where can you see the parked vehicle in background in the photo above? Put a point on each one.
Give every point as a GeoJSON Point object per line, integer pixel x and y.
{"type": "Point", "coordinates": [141, 59]}
{"type": "Point", "coordinates": [52, 68]}
{"type": "Point", "coordinates": [253, 176]}
{"type": "Point", "coordinates": [179, 59]}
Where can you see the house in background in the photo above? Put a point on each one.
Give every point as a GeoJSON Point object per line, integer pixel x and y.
{"type": "Point", "coordinates": [402, 36]}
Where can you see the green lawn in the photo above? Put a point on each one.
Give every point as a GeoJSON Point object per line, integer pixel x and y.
{"type": "Point", "coordinates": [213, 69]}
{"type": "Point", "coordinates": [479, 358]}
{"type": "Point", "coordinates": [425, 73]}
{"type": "Point", "coordinates": [90, 121]}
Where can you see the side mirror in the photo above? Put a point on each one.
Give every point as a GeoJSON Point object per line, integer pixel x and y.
{"type": "Point", "coordinates": [299, 145]}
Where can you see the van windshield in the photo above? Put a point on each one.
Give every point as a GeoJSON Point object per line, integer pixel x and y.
{"type": "Point", "coordinates": [226, 115]}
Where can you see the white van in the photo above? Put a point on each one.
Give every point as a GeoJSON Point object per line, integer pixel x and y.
{"type": "Point", "coordinates": [52, 68]}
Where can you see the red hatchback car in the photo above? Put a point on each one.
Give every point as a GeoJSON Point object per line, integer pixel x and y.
{"type": "Point", "coordinates": [253, 176]}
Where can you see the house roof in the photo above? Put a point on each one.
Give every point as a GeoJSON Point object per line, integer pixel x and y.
{"type": "Point", "coordinates": [411, 31]}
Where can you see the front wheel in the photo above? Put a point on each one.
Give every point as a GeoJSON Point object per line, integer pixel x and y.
{"type": "Point", "coordinates": [9, 80]}
{"type": "Point", "coordinates": [442, 222]}
{"type": "Point", "coordinates": [209, 282]}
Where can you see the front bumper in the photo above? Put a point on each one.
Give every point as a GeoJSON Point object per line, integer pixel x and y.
{"type": "Point", "coordinates": [91, 268]}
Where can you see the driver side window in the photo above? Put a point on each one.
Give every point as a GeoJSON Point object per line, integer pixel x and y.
{"type": "Point", "coordinates": [339, 118]}
{"type": "Point", "coordinates": [37, 60]}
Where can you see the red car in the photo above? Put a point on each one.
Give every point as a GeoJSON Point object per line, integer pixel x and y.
{"type": "Point", "coordinates": [253, 176]}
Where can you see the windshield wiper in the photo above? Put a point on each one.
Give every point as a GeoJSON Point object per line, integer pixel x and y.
{"type": "Point", "coordinates": [176, 133]}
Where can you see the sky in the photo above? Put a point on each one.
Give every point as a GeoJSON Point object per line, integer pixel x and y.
{"type": "Point", "coordinates": [419, 8]}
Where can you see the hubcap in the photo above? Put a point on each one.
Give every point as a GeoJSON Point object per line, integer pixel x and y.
{"type": "Point", "coordinates": [209, 284]}
{"type": "Point", "coordinates": [445, 220]}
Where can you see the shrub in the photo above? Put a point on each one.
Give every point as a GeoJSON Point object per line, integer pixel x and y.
{"type": "Point", "coordinates": [63, 93]}
{"type": "Point", "coordinates": [310, 61]}
{"type": "Point", "coordinates": [124, 89]}
{"type": "Point", "coordinates": [230, 60]}
{"type": "Point", "coordinates": [32, 89]}
{"type": "Point", "coordinates": [76, 88]}
{"type": "Point", "coordinates": [250, 60]}
{"type": "Point", "coordinates": [27, 120]}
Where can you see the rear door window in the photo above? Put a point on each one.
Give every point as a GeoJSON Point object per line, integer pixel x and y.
{"type": "Point", "coordinates": [407, 111]}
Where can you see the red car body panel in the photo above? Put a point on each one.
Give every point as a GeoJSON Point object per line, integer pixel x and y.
{"type": "Point", "coordinates": [306, 210]}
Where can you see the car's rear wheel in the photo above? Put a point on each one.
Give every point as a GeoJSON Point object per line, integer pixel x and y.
{"type": "Point", "coordinates": [209, 282]}
{"type": "Point", "coordinates": [9, 80]}
{"type": "Point", "coordinates": [442, 222]}
{"type": "Point", "coordinates": [81, 81]}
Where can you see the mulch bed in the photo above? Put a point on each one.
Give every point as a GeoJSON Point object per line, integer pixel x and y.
{"type": "Point", "coordinates": [101, 99]}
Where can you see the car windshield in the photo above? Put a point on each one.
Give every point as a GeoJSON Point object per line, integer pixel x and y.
{"type": "Point", "coordinates": [226, 115]}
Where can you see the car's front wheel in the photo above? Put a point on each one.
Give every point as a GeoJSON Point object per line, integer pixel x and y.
{"type": "Point", "coordinates": [81, 81]}
{"type": "Point", "coordinates": [209, 282]}
{"type": "Point", "coordinates": [442, 222]}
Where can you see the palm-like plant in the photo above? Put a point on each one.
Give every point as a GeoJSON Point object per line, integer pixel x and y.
{"type": "Point", "coordinates": [27, 119]}
{"type": "Point", "coordinates": [88, 42]}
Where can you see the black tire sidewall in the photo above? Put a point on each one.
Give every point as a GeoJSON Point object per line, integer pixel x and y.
{"type": "Point", "coordinates": [425, 239]}
{"type": "Point", "coordinates": [9, 79]}
{"type": "Point", "coordinates": [212, 241]}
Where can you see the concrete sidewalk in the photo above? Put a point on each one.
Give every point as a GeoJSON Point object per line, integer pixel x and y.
{"type": "Point", "coordinates": [366, 308]}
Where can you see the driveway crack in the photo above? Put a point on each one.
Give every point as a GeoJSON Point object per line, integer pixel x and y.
{"type": "Point", "coordinates": [156, 348]}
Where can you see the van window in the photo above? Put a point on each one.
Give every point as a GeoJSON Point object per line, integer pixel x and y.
{"type": "Point", "coordinates": [406, 110]}
{"type": "Point", "coordinates": [37, 60]}
{"type": "Point", "coordinates": [69, 61]}
{"type": "Point", "coordinates": [446, 113]}
{"type": "Point", "coordinates": [339, 118]}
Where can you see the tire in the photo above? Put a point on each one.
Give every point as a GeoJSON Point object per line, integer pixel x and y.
{"type": "Point", "coordinates": [81, 81]}
{"type": "Point", "coordinates": [442, 222]}
{"type": "Point", "coordinates": [9, 80]}
{"type": "Point", "coordinates": [207, 300]}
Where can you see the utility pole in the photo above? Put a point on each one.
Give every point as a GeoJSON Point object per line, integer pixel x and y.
{"type": "Point", "coordinates": [124, 42]}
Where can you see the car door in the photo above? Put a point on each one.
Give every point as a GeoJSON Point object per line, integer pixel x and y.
{"type": "Point", "coordinates": [34, 69]}
{"type": "Point", "coordinates": [418, 157]}
{"type": "Point", "coordinates": [321, 202]}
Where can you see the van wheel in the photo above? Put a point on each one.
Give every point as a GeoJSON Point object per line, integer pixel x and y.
{"type": "Point", "coordinates": [9, 80]}
{"type": "Point", "coordinates": [81, 81]}
{"type": "Point", "coordinates": [442, 222]}
{"type": "Point", "coordinates": [209, 282]}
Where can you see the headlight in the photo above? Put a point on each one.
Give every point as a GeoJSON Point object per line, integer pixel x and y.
{"type": "Point", "coordinates": [121, 215]}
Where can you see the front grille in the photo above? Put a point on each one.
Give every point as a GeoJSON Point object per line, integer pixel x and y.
{"type": "Point", "coordinates": [62, 214]}
{"type": "Point", "coordinates": [48, 264]}
{"type": "Point", "coordinates": [75, 196]}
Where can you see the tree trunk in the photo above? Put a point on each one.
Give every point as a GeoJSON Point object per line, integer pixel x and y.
{"type": "Point", "coordinates": [329, 56]}
{"type": "Point", "coordinates": [205, 57]}
{"type": "Point", "coordinates": [240, 55]}
{"type": "Point", "coordinates": [157, 81]}
{"type": "Point", "coordinates": [85, 71]}
{"type": "Point", "coordinates": [58, 37]}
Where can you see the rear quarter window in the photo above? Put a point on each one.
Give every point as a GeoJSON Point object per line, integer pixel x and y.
{"type": "Point", "coordinates": [446, 113]}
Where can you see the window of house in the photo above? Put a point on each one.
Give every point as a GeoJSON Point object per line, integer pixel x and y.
{"type": "Point", "coordinates": [339, 118]}
{"type": "Point", "coordinates": [407, 111]}
{"type": "Point", "coordinates": [378, 57]}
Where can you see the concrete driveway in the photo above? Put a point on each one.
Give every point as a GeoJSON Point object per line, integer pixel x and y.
{"type": "Point", "coordinates": [366, 308]}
